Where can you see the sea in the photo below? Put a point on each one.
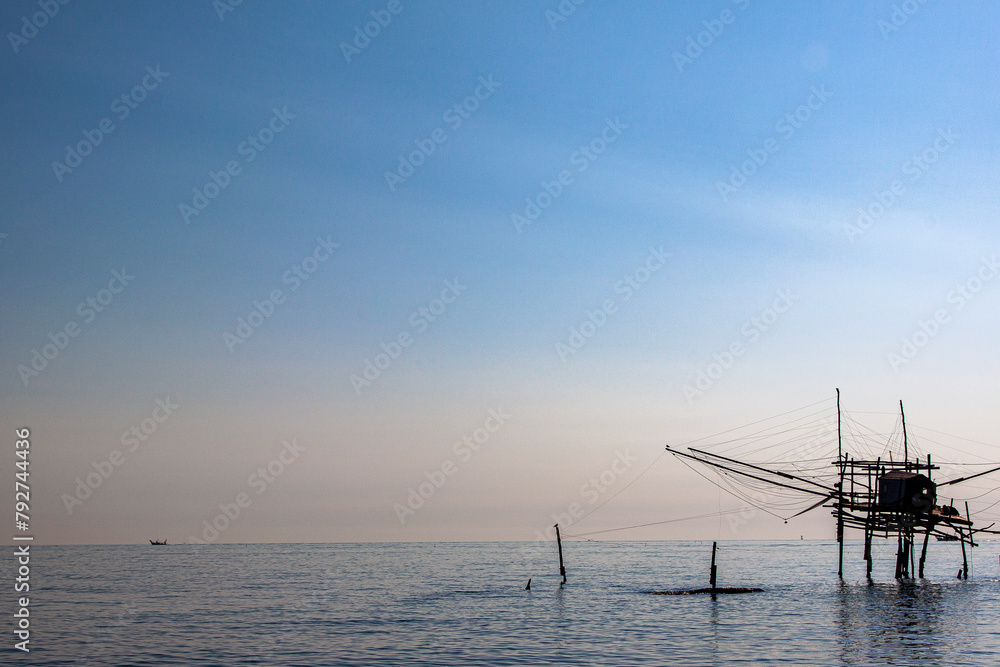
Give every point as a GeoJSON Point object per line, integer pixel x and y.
{"type": "Point", "coordinates": [466, 604]}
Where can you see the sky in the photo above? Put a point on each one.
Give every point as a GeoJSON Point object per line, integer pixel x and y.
{"type": "Point", "coordinates": [394, 271]}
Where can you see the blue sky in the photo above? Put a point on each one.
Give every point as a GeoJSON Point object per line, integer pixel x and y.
{"type": "Point", "coordinates": [890, 96]}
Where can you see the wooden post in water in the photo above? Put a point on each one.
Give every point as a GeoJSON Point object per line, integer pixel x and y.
{"type": "Point", "coordinates": [930, 525]}
{"type": "Point", "coordinates": [900, 555]}
{"type": "Point", "coordinates": [965, 561]}
{"type": "Point", "coordinates": [840, 495]}
{"type": "Point", "coordinates": [562, 570]}
{"type": "Point", "coordinates": [906, 443]}
{"type": "Point", "coordinates": [869, 526]}
{"type": "Point", "coordinates": [711, 575]}
{"type": "Point", "coordinates": [923, 552]}
{"type": "Point", "coordinates": [909, 541]}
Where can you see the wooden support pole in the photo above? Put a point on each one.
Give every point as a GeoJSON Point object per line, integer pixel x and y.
{"type": "Point", "coordinates": [923, 552]}
{"type": "Point", "coordinates": [869, 528]}
{"type": "Point", "coordinates": [965, 479]}
{"type": "Point", "coordinates": [909, 547]}
{"type": "Point", "coordinates": [840, 526]}
{"type": "Point", "coordinates": [840, 495]}
{"type": "Point", "coordinates": [964, 573]}
{"type": "Point", "coordinates": [562, 570]}
{"type": "Point", "coordinates": [965, 562]}
{"type": "Point", "coordinates": [868, 548]}
{"type": "Point", "coordinates": [900, 556]}
{"type": "Point", "coordinates": [712, 572]}
{"type": "Point", "coordinates": [906, 444]}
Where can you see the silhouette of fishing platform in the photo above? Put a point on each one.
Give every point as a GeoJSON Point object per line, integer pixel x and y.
{"type": "Point", "coordinates": [881, 497]}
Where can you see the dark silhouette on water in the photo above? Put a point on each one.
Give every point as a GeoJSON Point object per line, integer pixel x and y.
{"type": "Point", "coordinates": [712, 589]}
{"type": "Point", "coordinates": [159, 542]}
{"type": "Point", "coordinates": [562, 570]}
{"type": "Point", "coordinates": [884, 498]}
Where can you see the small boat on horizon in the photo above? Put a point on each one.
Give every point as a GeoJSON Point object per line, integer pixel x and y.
{"type": "Point", "coordinates": [160, 542]}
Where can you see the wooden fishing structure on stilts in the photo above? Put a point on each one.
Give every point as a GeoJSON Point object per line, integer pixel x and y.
{"type": "Point", "coordinates": [881, 497]}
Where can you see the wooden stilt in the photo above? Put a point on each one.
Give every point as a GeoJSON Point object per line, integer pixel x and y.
{"type": "Point", "coordinates": [562, 570]}
{"type": "Point", "coordinates": [909, 548]}
{"type": "Point", "coordinates": [840, 495]}
{"type": "Point", "coordinates": [900, 556]}
{"type": "Point", "coordinates": [840, 526]}
{"type": "Point", "coordinates": [906, 444]}
{"type": "Point", "coordinates": [965, 560]}
{"type": "Point", "coordinates": [923, 552]}
{"type": "Point", "coordinates": [964, 572]}
{"type": "Point", "coordinates": [869, 527]}
{"type": "Point", "coordinates": [712, 572]}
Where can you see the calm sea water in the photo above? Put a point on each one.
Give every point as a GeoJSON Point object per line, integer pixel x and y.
{"type": "Point", "coordinates": [465, 604]}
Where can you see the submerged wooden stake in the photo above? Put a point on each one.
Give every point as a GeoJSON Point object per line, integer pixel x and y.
{"type": "Point", "coordinates": [713, 589]}
{"type": "Point", "coordinates": [562, 570]}
{"type": "Point", "coordinates": [711, 576]}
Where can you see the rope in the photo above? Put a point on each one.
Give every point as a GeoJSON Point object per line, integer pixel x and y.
{"type": "Point", "coordinates": [655, 523]}
{"type": "Point", "coordinates": [636, 478]}
{"type": "Point", "coordinates": [924, 428]}
{"type": "Point", "coordinates": [612, 497]}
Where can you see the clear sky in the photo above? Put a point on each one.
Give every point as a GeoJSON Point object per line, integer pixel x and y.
{"type": "Point", "coordinates": [512, 250]}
